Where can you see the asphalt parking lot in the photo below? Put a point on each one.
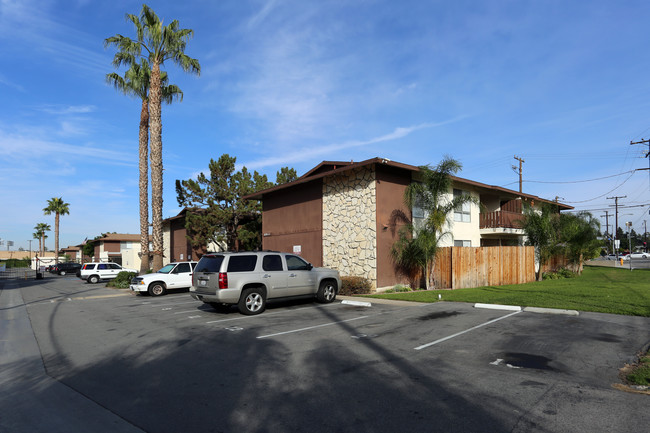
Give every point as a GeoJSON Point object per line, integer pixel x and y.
{"type": "Point", "coordinates": [172, 364]}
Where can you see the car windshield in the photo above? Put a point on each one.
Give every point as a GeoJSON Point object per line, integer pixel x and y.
{"type": "Point", "coordinates": [166, 269]}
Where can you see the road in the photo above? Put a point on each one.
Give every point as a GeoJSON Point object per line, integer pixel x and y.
{"type": "Point", "coordinates": [171, 364]}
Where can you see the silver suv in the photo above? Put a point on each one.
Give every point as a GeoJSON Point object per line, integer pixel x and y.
{"type": "Point", "coordinates": [249, 279]}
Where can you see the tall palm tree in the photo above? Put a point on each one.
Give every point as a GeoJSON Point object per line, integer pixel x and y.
{"type": "Point", "coordinates": [415, 250]}
{"type": "Point", "coordinates": [58, 207]}
{"type": "Point", "coordinates": [160, 43]}
{"type": "Point", "coordinates": [41, 228]}
{"type": "Point", "coordinates": [136, 83]}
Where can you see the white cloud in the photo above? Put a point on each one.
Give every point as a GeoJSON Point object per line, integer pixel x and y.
{"type": "Point", "coordinates": [67, 109]}
{"type": "Point", "coordinates": [317, 151]}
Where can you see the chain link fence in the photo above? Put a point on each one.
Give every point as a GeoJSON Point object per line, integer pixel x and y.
{"type": "Point", "coordinates": [17, 273]}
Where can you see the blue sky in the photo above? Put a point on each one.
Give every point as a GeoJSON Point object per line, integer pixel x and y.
{"type": "Point", "coordinates": [563, 84]}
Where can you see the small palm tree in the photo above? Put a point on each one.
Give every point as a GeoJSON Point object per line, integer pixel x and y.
{"type": "Point", "coordinates": [542, 229]}
{"type": "Point", "coordinates": [160, 43]}
{"type": "Point", "coordinates": [579, 238]}
{"type": "Point", "coordinates": [41, 228]}
{"type": "Point", "coordinates": [136, 83]}
{"type": "Point", "coordinates": [58, 207]}
{"type": "Point", "coordinates": [415, 250]}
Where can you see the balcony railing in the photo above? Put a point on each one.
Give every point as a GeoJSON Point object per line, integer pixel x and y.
{"type": "Point", "coordinates": [500, 219]}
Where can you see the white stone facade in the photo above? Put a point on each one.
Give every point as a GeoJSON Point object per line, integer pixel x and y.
{"type": "Point", "coordinates": [350, 223]}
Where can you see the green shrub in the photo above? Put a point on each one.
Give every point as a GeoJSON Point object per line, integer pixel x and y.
{"type": "Point", "coordinates": [401, 288]}
{"type": "Point", "coordinates": [122, 280]}
{"type": "Point", "coordinates": [355, 286]}
{"type": "Point", "coordinates": [565, 273]}
{"type": "Point", "coordinates": [17, 263]}
{"type": "Point", "coordinates": [561, 273]}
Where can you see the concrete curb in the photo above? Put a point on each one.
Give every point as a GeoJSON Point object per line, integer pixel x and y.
{"type": "Point", "coordinates": [527, 309]}
{"type": "Point", "coordinates": [356, 303]}
{"type": "Point", "coordinates": [498, 307]}
{"type": "Point", "coordinates": [551, 311]}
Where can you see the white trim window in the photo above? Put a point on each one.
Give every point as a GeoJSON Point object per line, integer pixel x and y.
{"type": "Point", "coordinates": [463, 213]}
{"type": "Point", "coordinates": [462, 243]}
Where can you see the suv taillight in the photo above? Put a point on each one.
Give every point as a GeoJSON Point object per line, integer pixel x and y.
{"type": "Point", "coordinates": [223, 280]}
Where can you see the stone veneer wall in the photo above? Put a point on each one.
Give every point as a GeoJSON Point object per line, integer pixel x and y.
{"type": "Point", "coordinates": [350, 223]}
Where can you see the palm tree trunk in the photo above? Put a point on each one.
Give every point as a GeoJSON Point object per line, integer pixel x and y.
{"type": "Point", "coordinates": [144, 187]}
{"type": "Point", "coordinates": [156, 166]}
{"type": "Point", "coordinates": [56, 238]}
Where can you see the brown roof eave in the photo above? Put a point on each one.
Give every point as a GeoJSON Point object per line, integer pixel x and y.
{"type": "Point", "coordinates": [346, 166]}
{"type": "Point", "coordinates": [350, 166]}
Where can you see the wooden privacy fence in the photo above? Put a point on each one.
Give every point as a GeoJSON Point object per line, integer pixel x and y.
{"type": "Point", "coordinates": [465, 267]}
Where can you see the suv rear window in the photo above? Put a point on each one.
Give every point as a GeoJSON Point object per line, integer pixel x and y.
{"type": "Point", "coordinates": [89, 266]}
{"type": "Point", "coordinates": [209, 264]}
{"type": "Point", "coordinates": [242, 263]}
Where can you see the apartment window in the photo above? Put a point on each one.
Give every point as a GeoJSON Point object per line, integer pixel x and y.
{"type": "Point", "coordinates": [462, 213]}
{"type": "Point", "coordinates": [418, 212]}
{"type": "Point", "coordinates": [462, 243]}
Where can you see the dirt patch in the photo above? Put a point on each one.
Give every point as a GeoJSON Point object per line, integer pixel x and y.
{"type": "Point", "coordinates": [642, 362]}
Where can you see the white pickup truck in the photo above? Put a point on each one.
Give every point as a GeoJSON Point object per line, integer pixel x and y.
{"type": "Point", "coordinates": [176, 275]}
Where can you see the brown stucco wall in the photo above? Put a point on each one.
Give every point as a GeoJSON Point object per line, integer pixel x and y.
{"type": "Point", "coordinates": [294, 217]}
{"type": "Point", "coordinates": [178, 241]}
{"type": "Point", "coordinates": [111, 247]}
{"type": "Point", "coordinates": [391, 184]}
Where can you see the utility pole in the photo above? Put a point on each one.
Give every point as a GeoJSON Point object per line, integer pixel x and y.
{"type": "Point", "coordinates": [645, 235]}
{"type": "Point", "coordinates": [521, 160]}
{"type": "Point", "coordinates": [647, 155]}
{"type": "Point", "coordinates": [616, 226]}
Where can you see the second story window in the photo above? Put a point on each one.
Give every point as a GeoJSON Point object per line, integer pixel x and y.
{"type": "Point", "coordinates": [463, 213]}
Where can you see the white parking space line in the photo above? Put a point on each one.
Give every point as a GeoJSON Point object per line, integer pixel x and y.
{"type": "Point", "coordinates": [265, 314]}
{"type": "Point", "coordinates": [189, 311]}
{"type": "Point", "coordinates": [424, 346]}
{"type": "Point", "coordinates": [311, 327]}
{"type": "Point", "coordinates": [151, 304]}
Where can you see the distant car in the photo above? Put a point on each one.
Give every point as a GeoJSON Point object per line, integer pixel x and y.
{"type": "Point", "coordinates": [93, 272]}
{"type": "Point", "coordinates": [176, 275]}
{"type": "Point", "coordinates": [66, 268]}
{"type": "Point", "coordinates": [636, 256]}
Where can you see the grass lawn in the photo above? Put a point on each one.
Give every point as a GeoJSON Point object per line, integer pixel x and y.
{"type": "Point", "coordinates": [598, 289]}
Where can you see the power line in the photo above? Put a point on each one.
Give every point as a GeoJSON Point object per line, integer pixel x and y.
{"type": "Point", "coordinates": [602, 195]}
{"type": "Point", "coordinates": [586, 180]}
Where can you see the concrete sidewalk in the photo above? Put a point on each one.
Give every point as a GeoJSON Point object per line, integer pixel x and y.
{"type": "Point", "coordinates": [30, 400]}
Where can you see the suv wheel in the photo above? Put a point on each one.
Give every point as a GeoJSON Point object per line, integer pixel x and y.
{"type": "Point", "coordinates": [326, 292]}
{"type": "Point", "coordinates": [93, 279]}
{"type": "Point", "coordinates": [252, 301]}
{"type": "Point", "coordinates": [157, 289]}
{"type": "Point", "coordinates": [62, 273]}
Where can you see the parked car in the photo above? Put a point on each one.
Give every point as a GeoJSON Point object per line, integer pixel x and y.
{"type": "Point", "coordinates": [173, 276]}
{"type": "Point", "coordinates": [93, 272]}
{"type": "Point", "coordinates": [249, 279]}
{"type": "Point", "coordinates": [66, 268]}
{"type": "Point", "coordinates": [636, 256]}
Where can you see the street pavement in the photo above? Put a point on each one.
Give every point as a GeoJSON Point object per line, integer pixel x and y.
{"type": "Point", "coordinates": [30, 400]}
{"type": "Point", "coordinates": [85, 358]}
